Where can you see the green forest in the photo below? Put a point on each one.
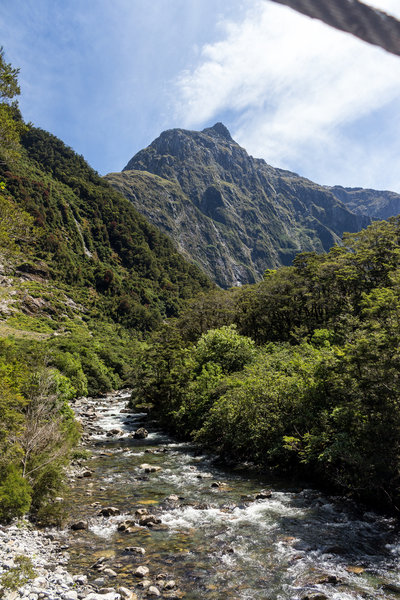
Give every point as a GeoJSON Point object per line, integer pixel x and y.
{"type": "Point", "coordinates": [298, 374]}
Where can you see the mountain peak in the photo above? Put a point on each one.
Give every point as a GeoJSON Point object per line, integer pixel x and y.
{"type": "Point", "coordinates": [220, 130]}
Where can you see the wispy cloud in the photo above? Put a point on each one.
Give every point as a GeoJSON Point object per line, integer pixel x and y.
{"type": "Point", "coordinates": [300, 95]}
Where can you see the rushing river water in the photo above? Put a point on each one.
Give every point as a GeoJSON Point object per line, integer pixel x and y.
{"type": "Point", "coordinates": [221, 542]}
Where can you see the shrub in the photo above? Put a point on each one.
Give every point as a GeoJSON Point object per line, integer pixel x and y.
{"type": "Point", "coordinates": [15, 495]}
{"type": "Point", "coordinates": [18, 575]}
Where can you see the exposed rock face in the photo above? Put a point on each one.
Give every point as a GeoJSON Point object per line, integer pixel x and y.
{"type": "Point", "coordinates": [232, 214]}
{"type": "Point", "coordinates": [373, 203]}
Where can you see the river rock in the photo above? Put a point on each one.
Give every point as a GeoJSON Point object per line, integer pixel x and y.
{"type": "Point", "coordinates": [144, 584]}
{"type": "Point", "coordinates": [153, 591]}
{"type": "Point", "coordinates": [126, 525]}
{"type": "Point", "coordinates": [79, 525]}
{"type": "Point", "coordinates": [332, 579]}
{"type": "Point", "coordinates": [141, 511]}
{"type": "Point", "coordinates": [263, 495]}
{"type": "Point", "coordinates": [126, 594]}
{"type": "Point", "coordinates": [95, 596]}
{"type": "Point", "coordinates": [315, 596]}
{"type": "Point", "coordinates": [149, 520]}
{"type": "Point", "coordinates": [141, 571]}
{"type": "Point", "coordinates": [135, 550]}
{"type": "Point", "coordinates": [141, 433]}
{"type": "Point", "coordinates": [109, 511]}
{"type": "Point", "coordinates": [70, 595]}
{"type": "Point", "coordinates": [113, 432]}
{"type": "Point", "coordinates": [110, 573]}
{"type": "Point", "coordinates": [149, 468]}
{"type": "Point", "coordinates": [99, 564]}
{"type": "Point", "coordinates": [394, 588]}
{"type": "Point", "coordinates": [169, 585]}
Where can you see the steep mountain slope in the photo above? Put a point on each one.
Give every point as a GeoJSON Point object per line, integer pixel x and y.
{"type": "Point", "coordinates": [372, 203]}
{"type": "Point", "coordinates": [91, 236]}
{"type": "Point", "coordinates": [233, 214]}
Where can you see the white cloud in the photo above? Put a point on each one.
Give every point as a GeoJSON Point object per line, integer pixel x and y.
{"type": "Point", "coordinates": [299, 93]}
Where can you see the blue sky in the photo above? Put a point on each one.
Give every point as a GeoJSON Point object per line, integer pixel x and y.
{"type": "Point", "coordinates": [107, 76]}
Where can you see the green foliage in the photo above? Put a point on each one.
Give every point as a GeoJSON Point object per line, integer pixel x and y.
{"type": "Point", "coordinates": [320, 393]}
{"type": "Point", "coordinates": [37, 430]}
{"type": "Point", "coordinates": [161, 373]}
{"type": "Point", "coordinates": [11, 125]}
{"type": "Point", "coordinates": [52, 514]}
{"type": "Point", "coordinates": [224, 347]}
{"type": "Point", "coordinates": [18, 575]}
{"type": "Point", "coordinates": [8, 79]}
{"type": "Point", "coordinates": [15, 494]}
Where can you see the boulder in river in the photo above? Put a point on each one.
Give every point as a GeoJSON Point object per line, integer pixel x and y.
{"type": "Point", "coordinates": [141, 571]}
{"type": "Point", "coordinates": [99, 562]}
{"type": "Point", "coordinates": [153, 591]}
{"type": "Point", "coordinates": [149, 468]}
{"type": "Point", "coordinates": [110, 572]}
{"type": "Point", "coordinates": [141, 433]}
{"type": "Point", "coordinates": [109, 511]}
{"type": "Point", "coordinates": [172, 498]}
{"type": "Point", "coordinates": [135, 550]}
{"type": "Point", "coordinates": [79, 525]}
{"type": "Point", "coordinates": [127, 526]}
{"type": "Point", "coordinates": [149, 521]}
{"type": "Point", "coordinates": [263, 495]}
{"type": "Point", "coordinates": [113, 432]}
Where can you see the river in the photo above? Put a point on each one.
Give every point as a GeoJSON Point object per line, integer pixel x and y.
{"type": "Point", "coordinates": [215, 538]}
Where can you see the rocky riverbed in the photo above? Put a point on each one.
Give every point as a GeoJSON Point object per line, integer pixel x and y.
{"type": "Point", "coordinates": [148, 517]}
{"type": "Point", "coordinates": [47, 550]}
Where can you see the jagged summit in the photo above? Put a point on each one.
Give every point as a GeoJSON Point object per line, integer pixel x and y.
{"type": "Point", "coordinates": [220, 130]}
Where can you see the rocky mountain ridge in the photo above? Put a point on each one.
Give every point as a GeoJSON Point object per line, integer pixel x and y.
{"type": "Point", "coordinates": [230, 213]}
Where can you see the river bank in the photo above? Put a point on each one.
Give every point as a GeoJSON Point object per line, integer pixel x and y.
{"type": "Point", "coordinates": [150, 517]}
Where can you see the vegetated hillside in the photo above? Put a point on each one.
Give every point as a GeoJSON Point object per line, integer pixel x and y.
{"type": "Point", "coordinates": [299, 372]}
{"type": "Point", "coordinates": [372, 203]}
{"type": "Point", "coordinates": [233, 214]}
{"type": "Point", "coordinates": [90, 236]}
{"type": "Point", "coordinates": [82, 272]}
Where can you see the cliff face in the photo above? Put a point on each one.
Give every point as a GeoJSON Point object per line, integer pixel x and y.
{"type": "Point", "coordinates": [232, 214]}
{"type": "Point", "coordinates": [373, 203]}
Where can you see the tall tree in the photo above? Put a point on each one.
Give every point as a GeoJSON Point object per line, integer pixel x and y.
{"type": "Point", "coordinates": [11, 125]}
